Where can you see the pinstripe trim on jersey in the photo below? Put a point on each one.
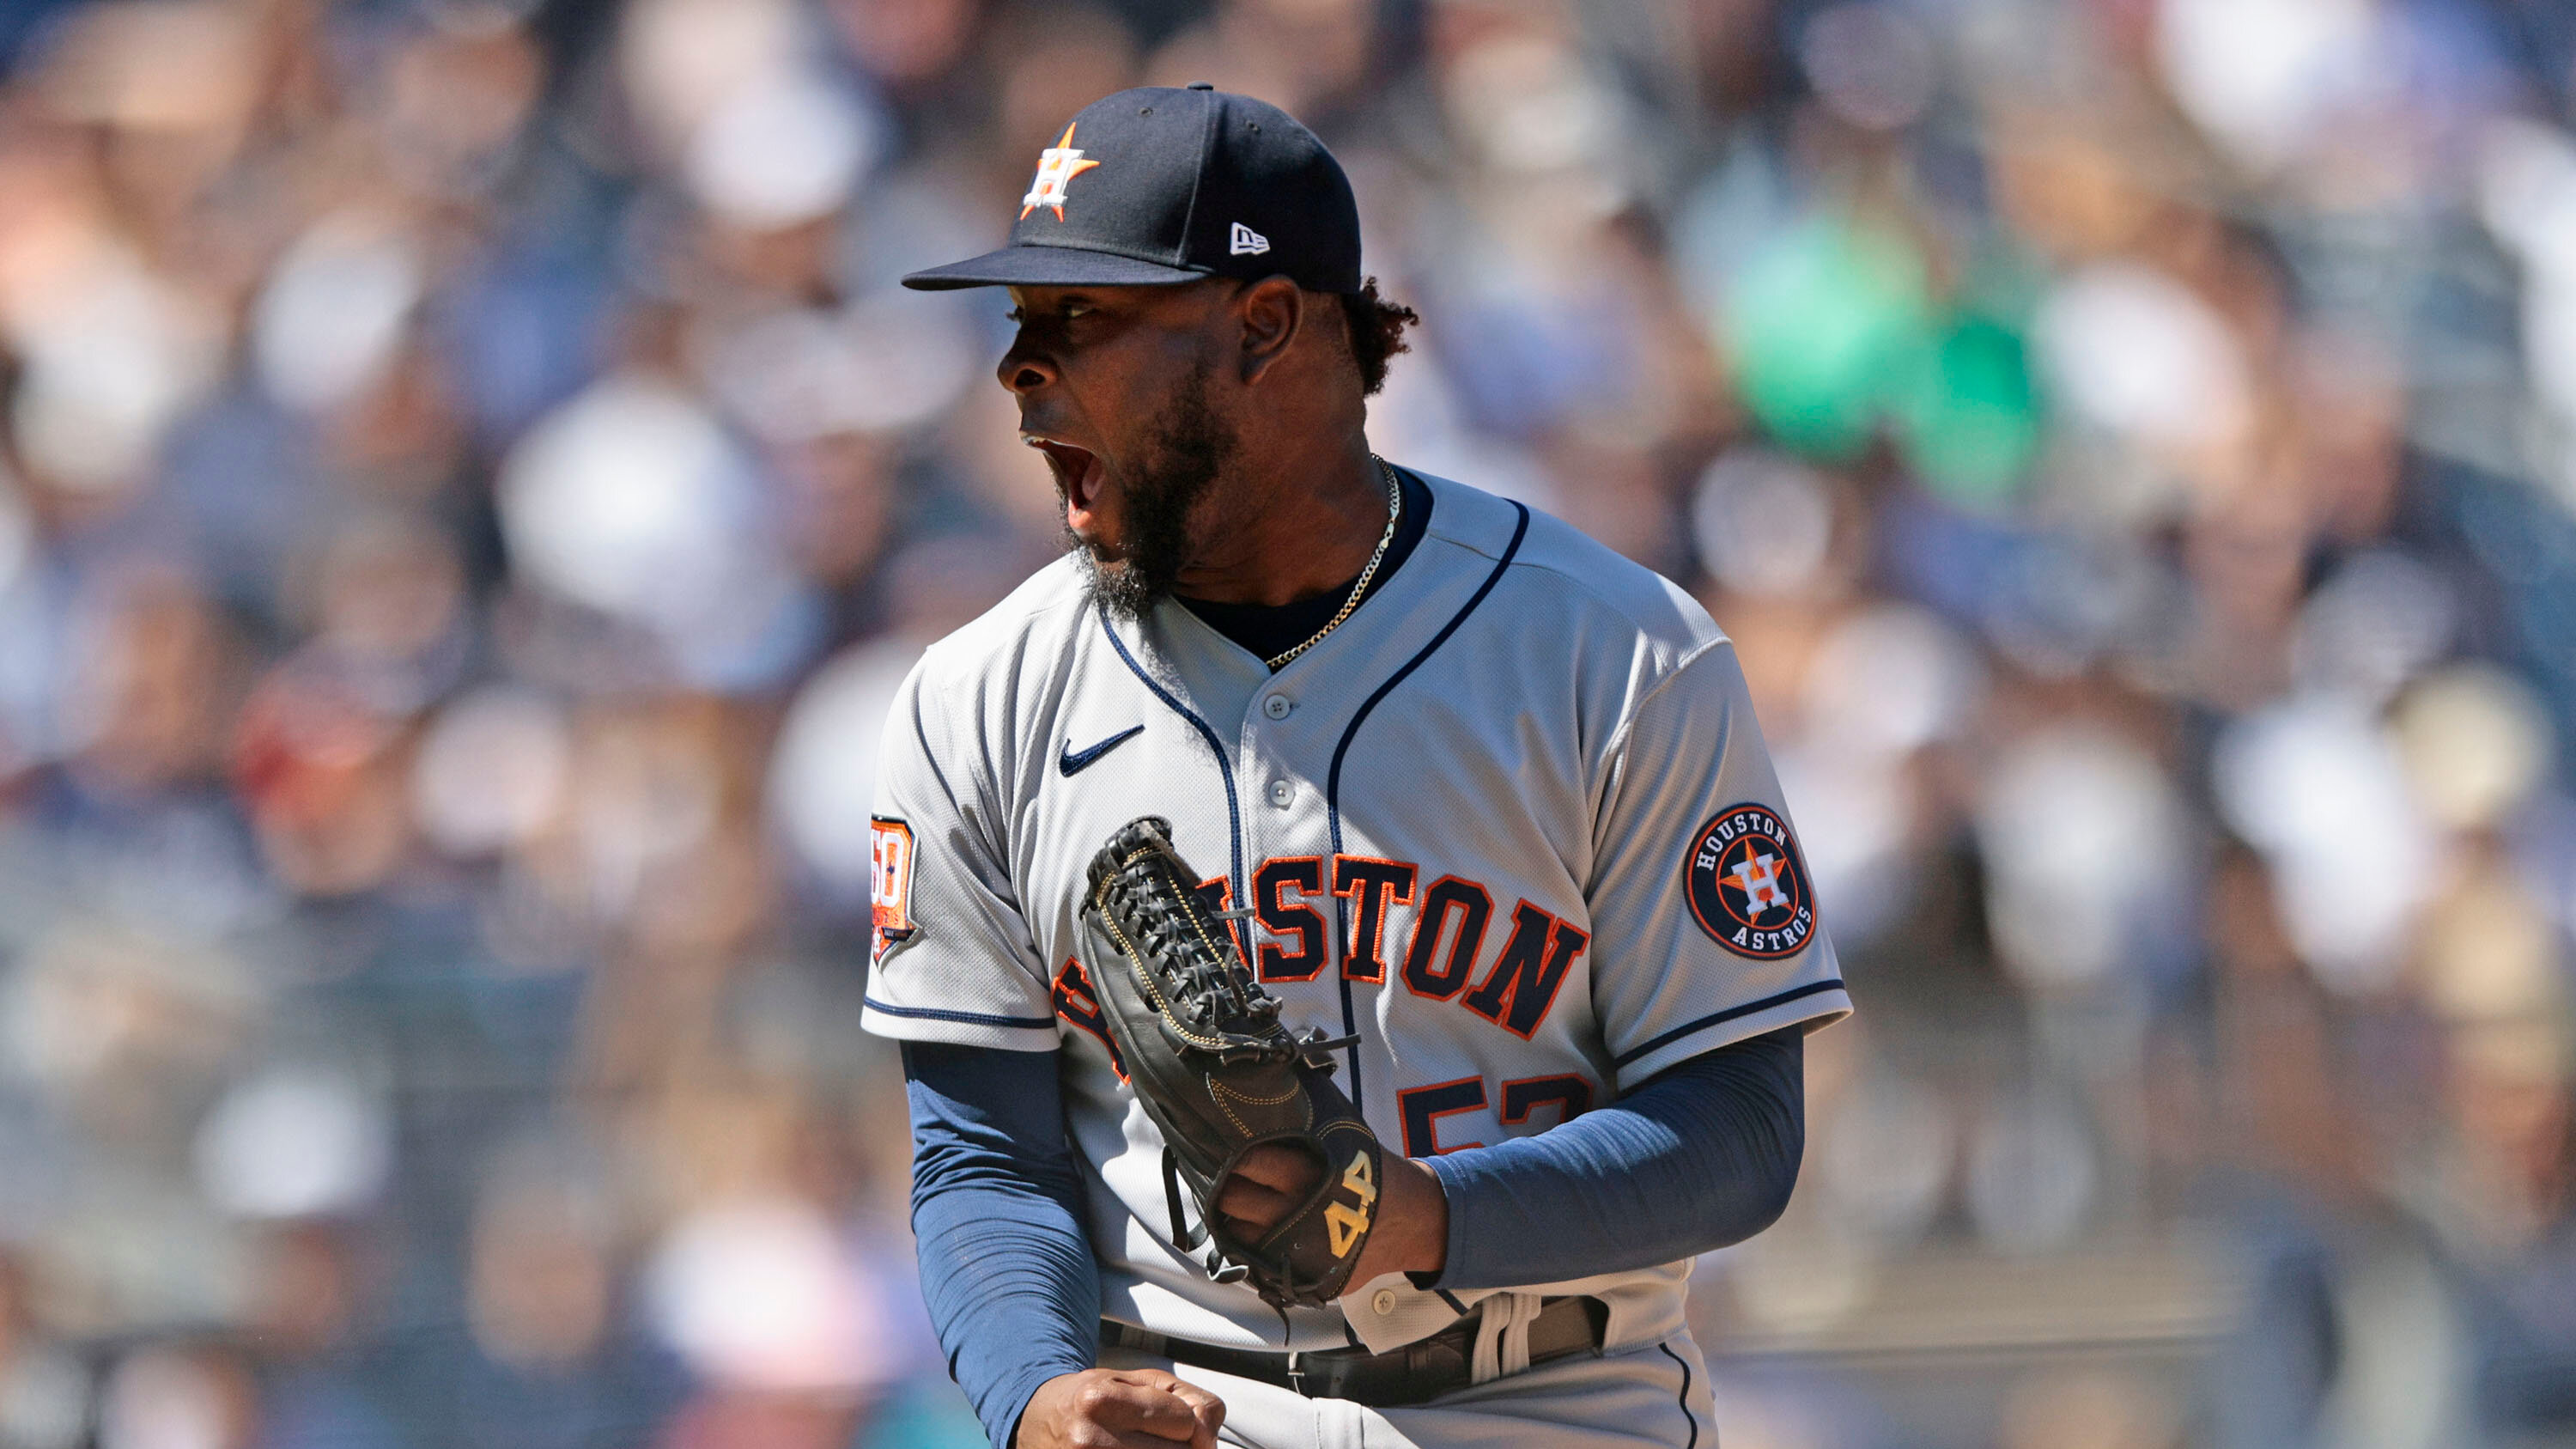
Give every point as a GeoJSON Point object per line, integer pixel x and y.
{"type": "Point", "coordinates": [1731, 1013]}
{"type": "Point", "coordinates": [1333, 778]}
{"type": "Point", "coordinates": [1683, 1398]}
{"type": "Point", "coordinates": [1224, 764]}
{"type": "Point", "coordinates": [969, 1018]}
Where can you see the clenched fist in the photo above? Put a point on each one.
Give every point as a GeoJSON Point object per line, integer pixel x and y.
{"type": "Point", "coordinates": [1413, 1212]}
{"type": "Point", "coordinates": [1119, 1409]}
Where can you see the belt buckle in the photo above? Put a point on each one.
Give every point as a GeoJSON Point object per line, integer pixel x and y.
{"type": "Point", "coordinates": [1297, 1373]}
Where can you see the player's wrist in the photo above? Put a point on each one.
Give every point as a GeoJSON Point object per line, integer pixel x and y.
{"type": "Point", "coordinates": [1032, 1429]}
{"type": "Point", "coordinates": [1412, 1232]}
{"type": "Point", "coordinates": [1040, 1410]}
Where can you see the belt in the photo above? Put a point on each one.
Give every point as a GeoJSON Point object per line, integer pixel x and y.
{"type": "Point", "coordinates": [1416, 1373]}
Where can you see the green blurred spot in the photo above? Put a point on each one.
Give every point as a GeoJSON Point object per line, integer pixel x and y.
{"type": "Point", "coordinates": [1834, 336]}
{"type": "Point", "coordinates": [1822, 325]}
{"type": "Point", "coordinates": [1968, 418]}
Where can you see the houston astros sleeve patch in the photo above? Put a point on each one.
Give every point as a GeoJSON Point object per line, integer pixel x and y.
{"type": "Point", "coordinates": [1747, 885]}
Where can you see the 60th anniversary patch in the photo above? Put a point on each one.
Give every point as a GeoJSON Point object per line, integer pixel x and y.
{"type": "Point", "coordinates": [1747, 886]}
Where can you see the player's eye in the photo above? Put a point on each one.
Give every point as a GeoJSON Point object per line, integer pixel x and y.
{"type": "Point", "coordinates": [1071, 310]}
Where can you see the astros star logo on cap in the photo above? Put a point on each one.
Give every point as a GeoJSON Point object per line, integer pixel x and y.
{"type": "Point", "coordinates": [1057, 165]}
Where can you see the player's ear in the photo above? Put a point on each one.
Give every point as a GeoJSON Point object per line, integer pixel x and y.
{"type": "Point", "coordinates": [1271, 311]}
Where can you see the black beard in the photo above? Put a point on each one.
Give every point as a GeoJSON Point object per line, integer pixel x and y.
{"type": "Point", "coordinates": [1187, 448]}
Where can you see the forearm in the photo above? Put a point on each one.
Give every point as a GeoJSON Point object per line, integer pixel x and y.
{"type": "Point", "coordinates": [1014, 1294]}
{"type": "Point", "coordinates": [1703, 1156]}
{"type": "Point", "coordinates": [1006, 1269]}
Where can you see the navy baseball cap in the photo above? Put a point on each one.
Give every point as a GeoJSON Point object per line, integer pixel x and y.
{"type": "Point", "coordinates": [1155, 186]}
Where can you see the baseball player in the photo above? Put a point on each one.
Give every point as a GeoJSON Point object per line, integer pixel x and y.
{"type": "Point", "coordinates": [1481, 803]}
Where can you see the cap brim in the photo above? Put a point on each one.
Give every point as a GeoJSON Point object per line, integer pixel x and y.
{"type": "Point", "coordinates": [1035, 266]}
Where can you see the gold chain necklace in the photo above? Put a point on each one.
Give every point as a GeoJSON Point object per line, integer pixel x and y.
{"type": "Point", "coordinates": [1394, 511]}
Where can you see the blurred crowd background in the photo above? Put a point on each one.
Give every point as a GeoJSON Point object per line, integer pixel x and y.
{"type": "Point", "coordinates": [471, 485]}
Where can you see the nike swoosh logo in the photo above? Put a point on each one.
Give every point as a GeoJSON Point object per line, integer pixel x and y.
{"type": "Point", "coordinates": [1076, 761]}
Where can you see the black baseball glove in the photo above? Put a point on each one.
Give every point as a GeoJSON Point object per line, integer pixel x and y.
{"type": "Point", "coordinates": [1220, 1076]}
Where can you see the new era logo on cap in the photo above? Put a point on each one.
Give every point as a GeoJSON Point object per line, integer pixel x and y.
{"type": "Point", "coordinates": [1243, 241]}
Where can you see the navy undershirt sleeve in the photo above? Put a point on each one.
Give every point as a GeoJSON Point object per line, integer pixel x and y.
{"type": "Point", "coordinates": [1006, 1267]}
{"type": "Point", "coordinates": [1701, 1156]}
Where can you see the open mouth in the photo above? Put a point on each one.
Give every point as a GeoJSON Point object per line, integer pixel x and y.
{"type": "Point", "coordinates": [1078, 475]}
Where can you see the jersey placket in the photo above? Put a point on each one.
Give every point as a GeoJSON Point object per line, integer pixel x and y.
{"type": "Point", "coordinates": [1290, 733]}
{"type": "Point", "coordinates": [1287, 855]}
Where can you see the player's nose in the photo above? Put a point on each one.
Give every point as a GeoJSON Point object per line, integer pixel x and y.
{"type": "Point", "coordinates": [1023, 370]}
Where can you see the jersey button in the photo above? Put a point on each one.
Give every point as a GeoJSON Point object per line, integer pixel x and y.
{"type": "Point", "coordinates": [1281, 792]}
{"type": "Point", "coordinates": [1277, 706]}
{"type": "Point", "coordinates": [1384, 1302]}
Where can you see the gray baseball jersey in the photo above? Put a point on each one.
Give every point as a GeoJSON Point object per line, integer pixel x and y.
{"type": "Point", "coordinates": [1512, 824]}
